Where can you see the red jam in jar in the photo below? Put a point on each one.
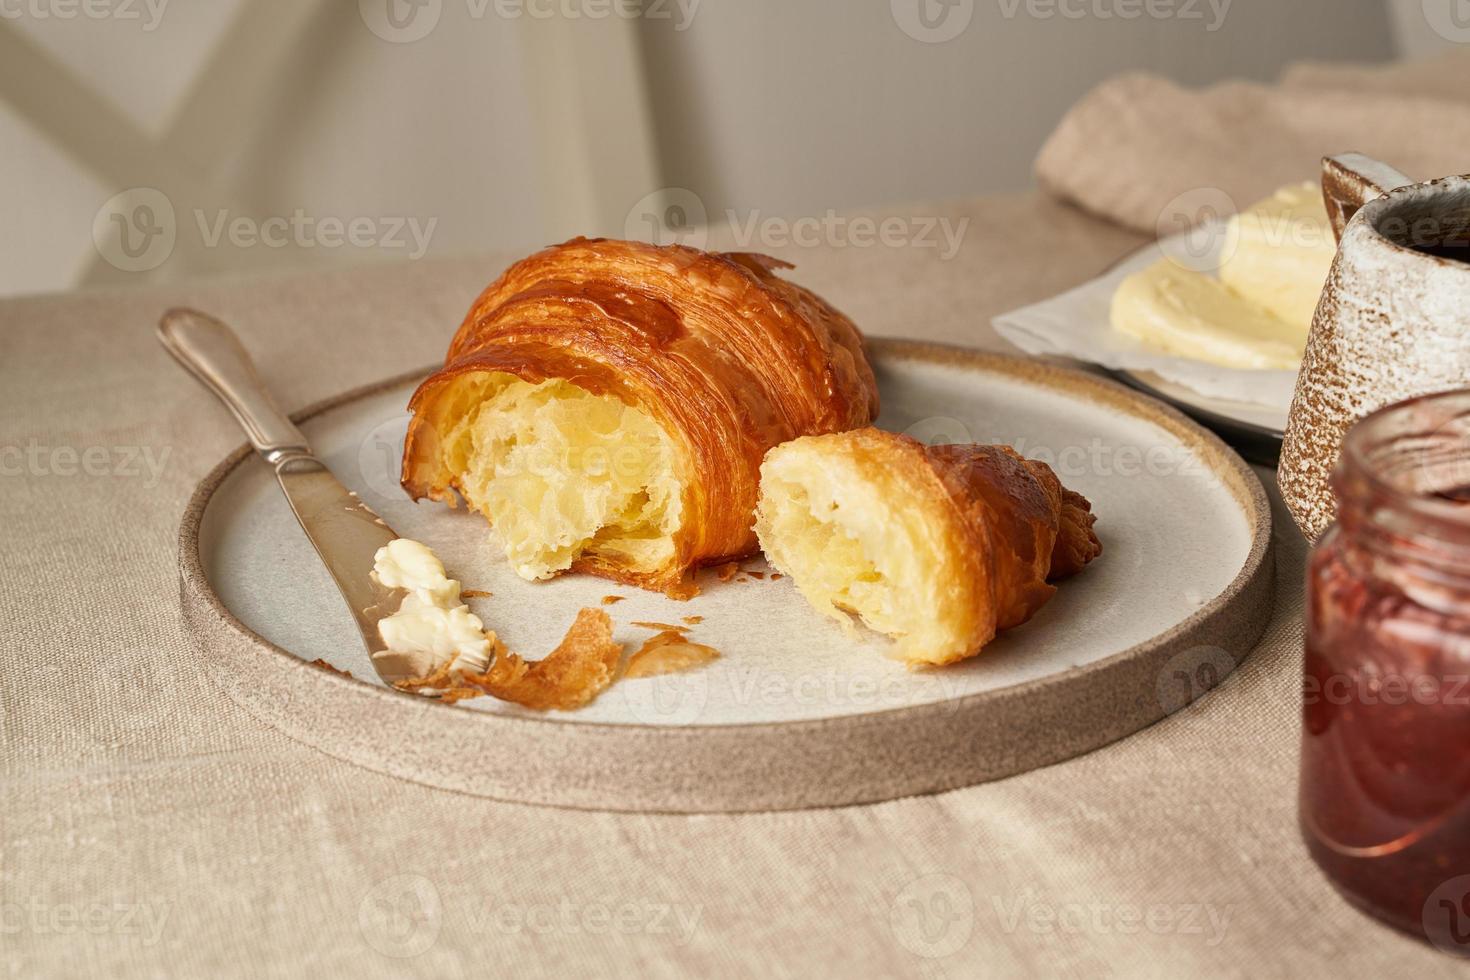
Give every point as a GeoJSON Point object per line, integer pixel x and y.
{"type": "Point", "coordinates": [1385, 789]}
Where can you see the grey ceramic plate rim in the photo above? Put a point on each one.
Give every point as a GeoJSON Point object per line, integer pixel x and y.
{"type": "Point", "coordinates": [1197, 405]}
{"type": "Point", "coordinates": [1260, 444]}
{"type": "Point", "coordinates": [880, 755]}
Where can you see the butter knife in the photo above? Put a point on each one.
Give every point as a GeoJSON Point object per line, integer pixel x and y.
{"type": "Point", "coordinates": [345, 531]}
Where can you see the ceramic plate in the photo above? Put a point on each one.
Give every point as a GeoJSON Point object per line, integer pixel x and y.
{"type": "Point", "coordinates": [796, 712]}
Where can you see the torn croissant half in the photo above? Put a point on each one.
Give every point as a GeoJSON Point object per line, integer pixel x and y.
{"type": "Point", "coordinates": [938, 547]}
{"type": "Point", "coordinates": [606, 406]}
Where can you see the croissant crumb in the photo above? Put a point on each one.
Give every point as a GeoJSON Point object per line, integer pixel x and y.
{"type": "Point", "coordinates": [670, 652]}
{"type": "Point", "coordinates": [561, 473]}
{"type": "Point", "coordinates": [581, 667]}
{"type": "Point", "coordinates": [852, 550]}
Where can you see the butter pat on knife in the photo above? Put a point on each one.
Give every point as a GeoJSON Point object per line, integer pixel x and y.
{"type": "Point", "coordinates": [432, 626]}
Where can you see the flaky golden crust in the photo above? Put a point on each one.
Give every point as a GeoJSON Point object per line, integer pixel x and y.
{"type": "Point", "coordinates": [583, 665]}
{"type": "Point", "coordinates": [1077, 544]}
{"type": "Point", "coordinates": [728, 358]}
{"type": "Point", "coordinates": [1015, 513]}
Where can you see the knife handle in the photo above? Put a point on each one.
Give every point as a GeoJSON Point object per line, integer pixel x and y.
{"type": "Point", "coordinates": [210, 351]}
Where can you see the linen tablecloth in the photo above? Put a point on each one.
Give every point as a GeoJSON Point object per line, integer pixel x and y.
{"type": "Point", "coordinates": [148, 826]}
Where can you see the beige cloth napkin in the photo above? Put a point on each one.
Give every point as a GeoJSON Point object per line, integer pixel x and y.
{"type": "Point", "coordinates": [1133, 146]}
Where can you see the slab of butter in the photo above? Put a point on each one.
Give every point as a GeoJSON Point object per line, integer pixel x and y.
{"type": "Point", "coordinates": [1280, 252]}
{"type": "Point", "coordinates": [1190, 314]}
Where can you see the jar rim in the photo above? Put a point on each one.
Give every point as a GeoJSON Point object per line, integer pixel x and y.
{"type": "Point", "coordinates": [1357, 463]}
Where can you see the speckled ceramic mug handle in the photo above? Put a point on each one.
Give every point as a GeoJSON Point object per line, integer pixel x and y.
{"type": "Point", "coordinates": [1350, 181]}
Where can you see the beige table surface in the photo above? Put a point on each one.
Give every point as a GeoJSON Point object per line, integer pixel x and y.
{"type": "Point", "coordinates": [148, 826]}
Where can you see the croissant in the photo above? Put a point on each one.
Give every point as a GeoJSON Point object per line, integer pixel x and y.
{"type": "Point", "coordinates": [939, 547]}
{"type": "Point", "coordinates": [606, 406]}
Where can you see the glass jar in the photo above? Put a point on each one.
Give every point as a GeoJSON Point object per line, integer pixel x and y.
{"type": "Point", "coordinates": [1385, 787]}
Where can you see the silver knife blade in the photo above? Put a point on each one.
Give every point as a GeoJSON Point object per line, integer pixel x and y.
{"type": "Point", "coordinates": [344, 531]}
{"type": "Point", "coordinates": [346, 534]}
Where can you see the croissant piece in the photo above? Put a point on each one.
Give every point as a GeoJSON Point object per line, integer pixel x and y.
{"type": "Point", "coordinates": [606, 406]}
{"type": "Point", "coordinates": [939, 547]}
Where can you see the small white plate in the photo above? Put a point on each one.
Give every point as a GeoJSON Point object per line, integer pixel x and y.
{"type": "Point", "coordinates": [1248, 407]}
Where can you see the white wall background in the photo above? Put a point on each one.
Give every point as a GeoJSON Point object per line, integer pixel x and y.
{"type": "Point", "coordinates": [508, 130]}
{"type": "Point", "coordinates": [824, 103]}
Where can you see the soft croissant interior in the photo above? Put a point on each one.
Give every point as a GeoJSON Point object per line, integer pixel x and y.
{"type": "Point", "coordinates": [561, 473]}
{"type": "Point", "coordinates": [851, 551]}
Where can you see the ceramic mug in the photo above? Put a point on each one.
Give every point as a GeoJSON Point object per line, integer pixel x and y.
{"type": "Point", "coordinates": [1393, 321]}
